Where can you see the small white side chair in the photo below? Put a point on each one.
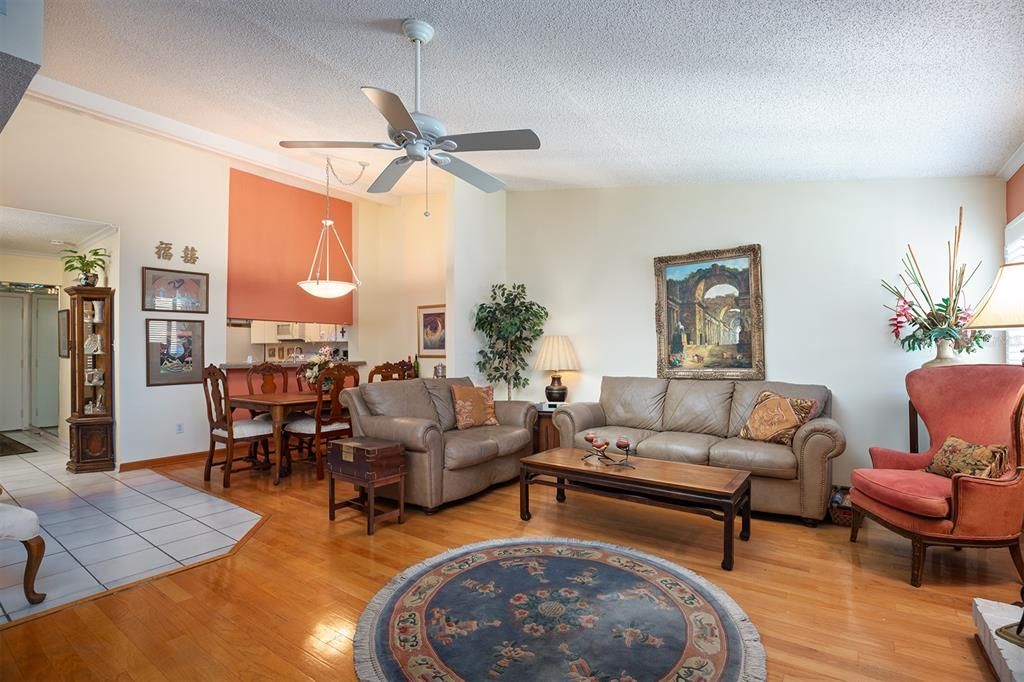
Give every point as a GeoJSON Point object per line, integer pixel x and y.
{"type": "Point", "coordinates": [21, 524]}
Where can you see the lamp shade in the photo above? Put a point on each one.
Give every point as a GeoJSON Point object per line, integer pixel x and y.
{"type": "Point", "coordinates": [1003, 306]}
{"type": "Point", "coordinates": [557, 354]}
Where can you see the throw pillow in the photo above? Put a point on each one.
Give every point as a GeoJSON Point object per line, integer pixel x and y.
{"type": "Point", "coordinates": [775, 418]}
{"type": "Point", "coordinates": [957, 456]}
{"type": "Point", "coordinates": [474, 406]}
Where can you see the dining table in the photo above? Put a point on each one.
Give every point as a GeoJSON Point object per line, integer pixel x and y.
{"type": "Point", "coordinates": [278, 406]}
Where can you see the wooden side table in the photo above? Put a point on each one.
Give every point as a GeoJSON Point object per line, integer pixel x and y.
{"type": "Point", "coordinates": [545, 435]}
{"type": "Point", "coordinates": [366, 463]}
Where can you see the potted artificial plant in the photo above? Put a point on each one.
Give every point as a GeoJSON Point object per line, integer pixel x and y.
{"type": "Point", "coordinates": [87, 264]}
{"type": "Point", "coordinates": [510, 323]}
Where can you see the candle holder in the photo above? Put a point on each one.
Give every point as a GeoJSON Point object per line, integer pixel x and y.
{"type": "Point", "coordinates": [599, 446]}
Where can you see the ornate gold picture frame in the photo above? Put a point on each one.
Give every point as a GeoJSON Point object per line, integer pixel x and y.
{"type": "Point", "coordinates": [709, 314]}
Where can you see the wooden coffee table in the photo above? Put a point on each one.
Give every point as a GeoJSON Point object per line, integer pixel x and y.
{"type": "Point", "coordinates": [709, 491]}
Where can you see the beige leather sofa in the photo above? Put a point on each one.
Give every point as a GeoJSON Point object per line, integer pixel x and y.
{"type": "Point", "coordinates": [699, 422]}
{"type": "Point", "coordinates": [444, 464]}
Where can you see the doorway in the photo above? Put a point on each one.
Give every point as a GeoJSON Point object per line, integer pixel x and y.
{"type": "Point", "coordinates": [44, 363]}
{"type": "Point", "coordinates": [12, 363]}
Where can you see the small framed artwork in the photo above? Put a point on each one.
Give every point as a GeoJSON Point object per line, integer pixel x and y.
{"type": "Point", "coordinates": [63, 340]}
{"type": "Point", "coordinates": [430, 322]}
{"type": "Point", "coordinates": [272, 353]}
{"type": "Point", "coordinates": [174, 352]}
{"type": "Point", "coordinates": [709, 317]}
{"type": "Point", "coordinates": [175, 291]}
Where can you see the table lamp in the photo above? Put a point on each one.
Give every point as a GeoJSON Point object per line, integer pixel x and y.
{"type": "Point", "coordinates": [556, 355]}
{"type": "Point", "coordinates": [1003, 306]}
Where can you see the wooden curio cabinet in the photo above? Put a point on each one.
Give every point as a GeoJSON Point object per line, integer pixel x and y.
{"type": "Point", "coordinates": [91, 337]}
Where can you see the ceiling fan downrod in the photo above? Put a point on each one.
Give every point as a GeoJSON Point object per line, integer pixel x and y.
{"type": "Point", "coordinates": [420, 33]}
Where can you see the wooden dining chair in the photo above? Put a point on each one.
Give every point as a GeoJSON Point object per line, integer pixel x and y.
{"type": "Point", "coordinates": [331, 418]}
{"type": "Point", "coordinates": [391, 371]}
{"type": "Point", "coordinates": [270, 375]}
{"type": "Point", "coordinates": [225, 429]}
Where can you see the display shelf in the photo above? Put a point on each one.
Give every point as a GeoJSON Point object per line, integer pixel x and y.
{"type": "Point", "coordinates": [91, 336]}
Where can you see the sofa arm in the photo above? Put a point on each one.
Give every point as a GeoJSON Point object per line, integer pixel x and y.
{"type": "Point", "coordinates": [424, 449]}
{"type": "Point", "coordinates": [516, 413]}
{"type": "Point", "coordinates": [413, 434]}
{"type": "Point", "coordinates": [575, 417]}
{"type": "Point", "coordinates": [815, 444]}
{"type": "Point", "coordinates": [988, 507]}
{"type": "Point", "coordinates": [884, 458]}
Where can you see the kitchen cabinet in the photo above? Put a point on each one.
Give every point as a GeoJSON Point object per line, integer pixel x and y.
{"type": "Point", "coordinates": [262, 331]}
{"type": "Point", "coordinates": [307, 332]}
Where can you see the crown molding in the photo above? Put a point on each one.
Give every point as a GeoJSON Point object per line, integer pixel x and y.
{"type": "Point", "coordinates": [32, 254]}
{"type": "Point", "coordinates": [99, 234]}
{"type": "Point", "coordinates": [293, 171]}
{"type": "Point", "coordinates": [1013, 164]}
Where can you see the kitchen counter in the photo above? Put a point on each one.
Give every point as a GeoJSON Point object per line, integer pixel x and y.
{"type": "Point", "coordinates": [288, 363]}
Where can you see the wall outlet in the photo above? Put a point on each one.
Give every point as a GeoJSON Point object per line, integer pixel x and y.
{"type": "Point", "coordinates": [179, 428]}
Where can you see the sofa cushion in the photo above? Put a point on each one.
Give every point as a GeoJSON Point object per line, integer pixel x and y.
{"type": "Point", "coordinates": [408, 398]}
{"type": "Point", "coordinates": [909, 490]}
{"type": "Point", "coordinates": [637, 402]}
{"type": "Point", "coordinates": [611, 433]}
{"type": "Point", "coordinates": [760, 459]}
{"type": "Point", "coordinates": [696, 406]}
{"type": "Point", "coordinates": [474, 406]}
{"type": "Point", "coordinates": [745, 395]}
{"type": "Point", "coordinates": [440, 391]}
{"type": "Point", "coordinates": [678, 447]}
{"type": "Point", "coordinates": [481, 444]}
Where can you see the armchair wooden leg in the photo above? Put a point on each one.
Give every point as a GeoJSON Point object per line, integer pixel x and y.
{"type": "Point", "coordinates": [209, 461]}
{"type": "Point", "coordinates": [35, 547]}
{"type": "Point", "coordinates": [855, 521]}
{"type": "Point", "coordinates": [917, 562]}
{"type": "Point", "coordinates": [1018, 561]}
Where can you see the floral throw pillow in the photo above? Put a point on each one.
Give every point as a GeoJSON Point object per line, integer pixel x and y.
{"type": "Point", "coordinates": [957, 456]}
{"type": "Point", "coordinates": [775, 418]}
{"type": "Point", "coordinates": [474, 406]}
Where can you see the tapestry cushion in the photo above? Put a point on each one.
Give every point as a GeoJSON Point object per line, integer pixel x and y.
{"type": "Point", "coordinates": [957, 456]}
{"type": "Point", "coordinates": [637, 402]}
{"type": "Point", "coordinates": [474, 406]}
{"type": "Point", "coordinates": [745, 394]}
{"type": "Point", "coordinates": [775, 418]}
{"type": "Point", "coordinates": [910, 490]}
{"type": "Point", "coordinates": [673, 446]}
{"type": "Point", "coordinates": [408, 398]}
{"type": "Point", "coordinates": [441, 395]}
{"type": "Point", "coordinates": [696, 406]}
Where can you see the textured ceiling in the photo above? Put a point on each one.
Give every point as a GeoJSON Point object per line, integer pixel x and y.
{"type": "Point", "coordinates": [30, 231]}
{"type": "Point", "coordinates": [630, 92]}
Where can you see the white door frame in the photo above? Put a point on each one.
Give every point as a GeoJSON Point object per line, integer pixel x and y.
{"type": "Point", "coordinates": [26, 396]}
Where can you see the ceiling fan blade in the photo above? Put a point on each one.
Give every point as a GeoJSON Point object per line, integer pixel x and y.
{"type": "Point", "coordinates": [494, 140]}
{"type": "Point", "coordinates": [390, 106]}
{"type": "Point", "coordinates": [390, 175]}
{"type": "Point", "coordinates": [470, 173]}
{"type": "Point", "coordinates": [326, 144]}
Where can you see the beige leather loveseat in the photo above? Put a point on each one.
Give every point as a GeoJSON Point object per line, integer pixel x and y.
{"type": "Point", "coordinates": [699, 422]}
{"type": "Point", "coordinates": [444, 464]}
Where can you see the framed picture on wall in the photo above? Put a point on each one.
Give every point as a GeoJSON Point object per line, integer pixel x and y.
{"type": "Point", "coordinates": [63, 341]}
{"type": "Point", "coordinates": [709, 315]}
{"type": "Point", "coordinates": [174, 352]}
{"type": "Point", "coordinates": [272, 353]}
{"type": "Point", "coordinates": [175, 291]}
{"type": "Point", "coordinates": [430, 321]}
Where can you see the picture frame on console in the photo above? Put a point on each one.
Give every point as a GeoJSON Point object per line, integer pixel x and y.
{"type": "Point", "coordinates": [709, 315]}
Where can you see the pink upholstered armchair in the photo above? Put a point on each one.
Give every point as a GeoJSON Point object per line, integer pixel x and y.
{"type": "Point", "coordinates": [981, 404]}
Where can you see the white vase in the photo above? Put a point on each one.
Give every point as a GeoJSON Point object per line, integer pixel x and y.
{"type": "Point", "coordinates": [944, 355]}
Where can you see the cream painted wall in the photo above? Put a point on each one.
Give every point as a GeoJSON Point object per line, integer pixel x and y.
{"type": "Point", "coordinates": [402, 263]}
{"type": "Point", "coordinates": [476, 260]}
{"type": "Point", "coordinates": [151, 189]}
{"type": "Point", "coordinates": [587, 256]}
{"type": "Point", "coordinates": [30, 269]}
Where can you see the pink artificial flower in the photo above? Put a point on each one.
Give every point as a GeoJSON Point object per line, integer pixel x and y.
{"type": "Point", "coordinates": [902, 317]}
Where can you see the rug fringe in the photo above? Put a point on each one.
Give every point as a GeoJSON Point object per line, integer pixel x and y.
{"type": "Point", "coordinates": [754, 657]}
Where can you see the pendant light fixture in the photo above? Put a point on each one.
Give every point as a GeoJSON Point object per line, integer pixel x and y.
{"type": "Point", "coordinates": [325, 287]}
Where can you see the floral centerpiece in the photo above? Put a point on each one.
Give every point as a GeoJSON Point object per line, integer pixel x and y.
{"type": "Point", "coordinates": [920, 321]}
{"type": "Point", "coordinates": [323, 359]}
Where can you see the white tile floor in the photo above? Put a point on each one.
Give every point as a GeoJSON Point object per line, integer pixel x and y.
{"type": "Point", "coordinates": [104, 530]}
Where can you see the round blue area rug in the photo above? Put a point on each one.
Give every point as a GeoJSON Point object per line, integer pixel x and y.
{"type": "Point", "coordinates": [534, 609]}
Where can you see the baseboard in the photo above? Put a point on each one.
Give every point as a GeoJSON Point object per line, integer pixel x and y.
{"type": "Point", "coordinates": [173, 459]}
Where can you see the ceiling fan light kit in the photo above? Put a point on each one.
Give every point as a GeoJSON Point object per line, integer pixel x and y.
{"type": "Point", "coordinates": [423, 137]}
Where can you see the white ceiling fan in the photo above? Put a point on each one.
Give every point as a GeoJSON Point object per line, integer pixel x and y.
{"type": "Point", "coordinates": [422, 136]}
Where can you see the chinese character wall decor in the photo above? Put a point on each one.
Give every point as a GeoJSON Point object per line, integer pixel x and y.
{"type": "Point", "coordinates": [190, 255]}
{"type": "Point", "coordinates": [163, 250]}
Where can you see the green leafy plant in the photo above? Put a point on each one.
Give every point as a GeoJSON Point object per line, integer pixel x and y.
{"type": "Point", "coordinates": [510, 323]}
{"type": "Point", "coordinates": [85, 263]}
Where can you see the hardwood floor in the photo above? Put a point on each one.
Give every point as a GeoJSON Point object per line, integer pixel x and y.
{"type": "Point", "coordinates": [285, 606]}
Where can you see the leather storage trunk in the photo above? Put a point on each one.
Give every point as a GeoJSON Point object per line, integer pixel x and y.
{"type": "Point", "coordinates": [366, 458]}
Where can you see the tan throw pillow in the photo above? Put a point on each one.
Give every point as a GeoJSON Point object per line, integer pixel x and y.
{"type": "Point", "coordinates": [474, 406]}
{"type": "Point", "coordinates": [775, 418]}
{"type": "Point", "coordinates": [957, 456]}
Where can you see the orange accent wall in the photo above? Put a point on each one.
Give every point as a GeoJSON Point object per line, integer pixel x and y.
{"type": "Point", "coordinates": [272, 233]}
{"type": "Point", "coordinates": [1015, 195]}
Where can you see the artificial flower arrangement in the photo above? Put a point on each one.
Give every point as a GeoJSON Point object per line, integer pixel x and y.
{"type": "Point", "coordinates": [323, 359]}
{"type": "Point", "coordinates": [919, 321]}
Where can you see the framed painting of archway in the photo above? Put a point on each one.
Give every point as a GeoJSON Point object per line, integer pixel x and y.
{"type": "Point", "coordinates": [709, 314]}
